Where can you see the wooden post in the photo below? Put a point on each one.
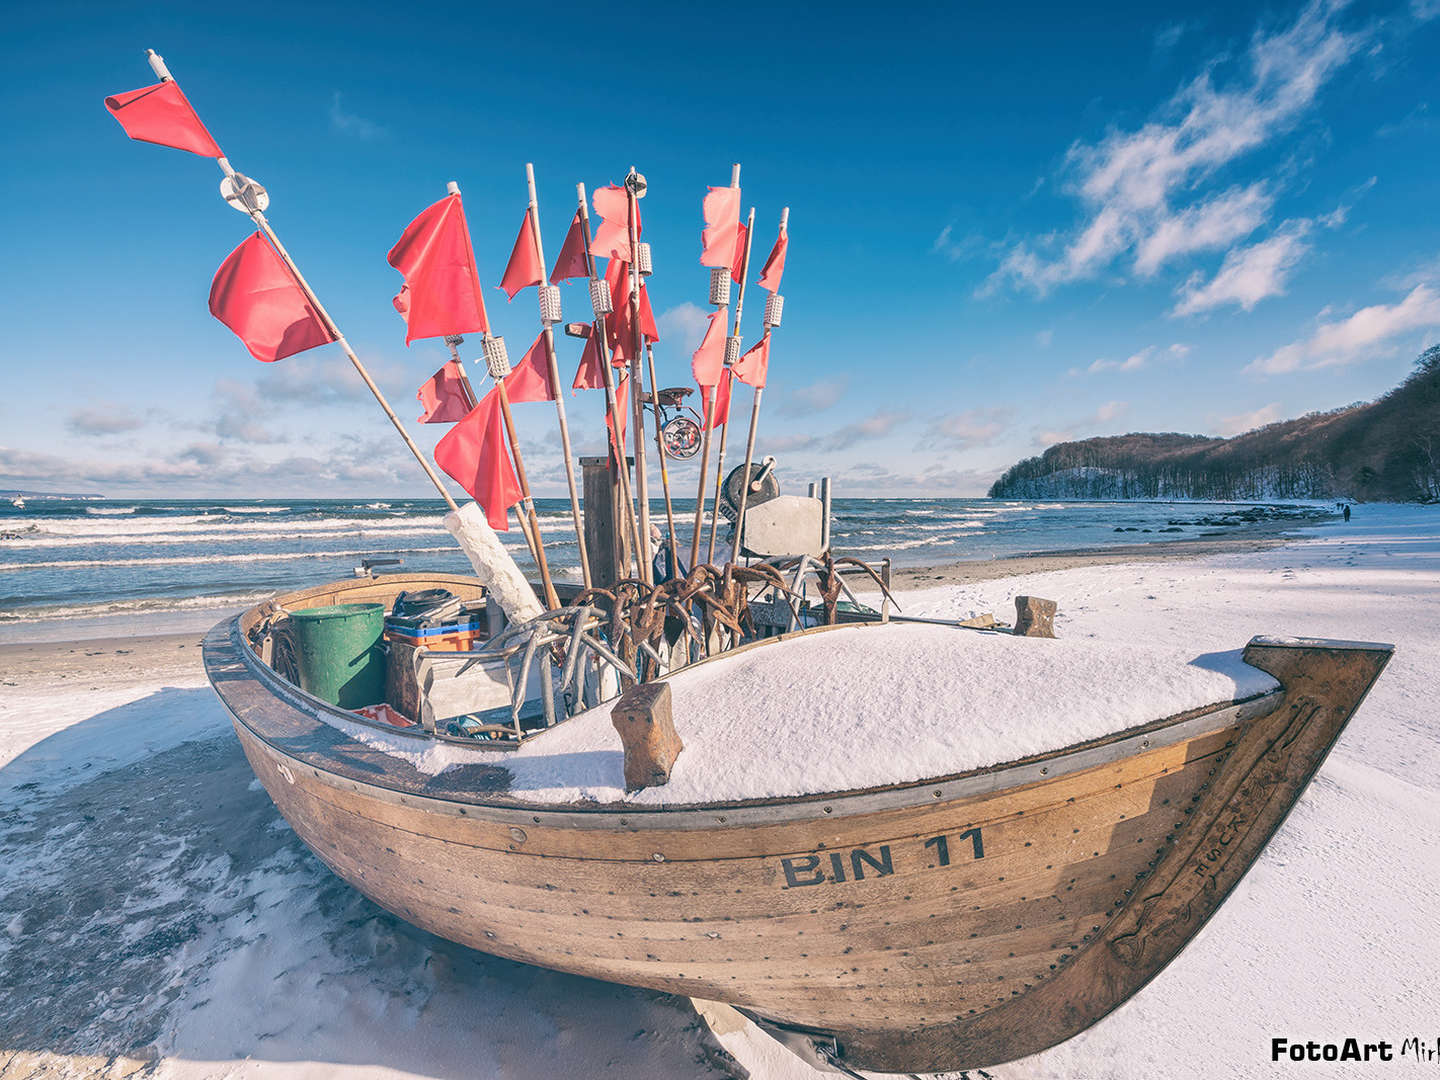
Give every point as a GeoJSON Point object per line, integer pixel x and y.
{"type": "Point", "coordinates": [602, 346]}
{"type": "Point", "coordinates": [634, 184]}
{"type": "Point", "coordinates": [643, 718]}
{"type": "Point", "coordinates": [725, 429]}
{"type": "Point", "coordinates": [605, 514]}
{"type": "Point", "coordinates": [705, 434]}
{"type": "Point", "coordinates": [533, 211]}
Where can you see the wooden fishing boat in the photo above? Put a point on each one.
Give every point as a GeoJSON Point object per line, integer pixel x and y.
{"type": "Point", "coordinates": [957, 922]}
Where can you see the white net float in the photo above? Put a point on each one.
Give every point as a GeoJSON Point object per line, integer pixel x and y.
{"type": "Point", "coordinates": [497, 359]}
{"type": "Point", "coordinates": [550, 304]}
{"type": "Point", "coordinates": [774, 308]}
{"type": "Point", "coordinates": [600, 297]}
{"type": "Point", "coordinates": [643, 262]}
{"type": "Point", "coordinates": [732, 351]}
{"type": "Point", "coordinates": [719, 285]}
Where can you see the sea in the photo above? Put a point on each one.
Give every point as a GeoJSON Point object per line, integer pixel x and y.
{"type": "Point", "coordinates": [75, 568]}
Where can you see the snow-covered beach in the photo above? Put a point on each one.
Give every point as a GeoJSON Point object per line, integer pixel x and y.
{"type": "Point", "coordinates": [158, 917]}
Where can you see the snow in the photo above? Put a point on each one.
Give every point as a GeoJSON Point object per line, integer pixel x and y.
{"type": "Point", "coordinates": [770, 721]}
{"type": "Point", "coordinates": [155, 909]}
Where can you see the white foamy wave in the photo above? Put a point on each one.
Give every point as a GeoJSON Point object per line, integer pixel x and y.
{"type": "Point", "coordinates": [201, 560]}
{"type": "Point", "coordinates": [904, 545]}
{"type": "Point", "coordinates": [132, 607]}
{"type": "Point", "coordinates": [63, 533]}
{"type": "Point", "coordinates": [255, 509]}
{"type": "Point", "coordinates": [109, 511]}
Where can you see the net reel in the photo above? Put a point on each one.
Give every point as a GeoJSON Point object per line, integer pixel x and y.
{"type": "Point", "coordinates": [600, 301]}
{"type": "Point", "coordinates": [497, 357]}
{"type": "Point", "coordinates": [763, 487]}
{"type": "Point", "coordinates": [774, 308]}
{"type": "Point", "coordinates": [550, 304]}
{"type": "Point", "coordinates": [719, 285]}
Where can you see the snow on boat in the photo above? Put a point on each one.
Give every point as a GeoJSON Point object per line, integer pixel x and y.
{"type": "Point", "coordinates": [880, 842]}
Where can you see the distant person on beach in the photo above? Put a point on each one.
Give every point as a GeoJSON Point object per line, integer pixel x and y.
{"type": "Point", "coordinates": [1347, 511]}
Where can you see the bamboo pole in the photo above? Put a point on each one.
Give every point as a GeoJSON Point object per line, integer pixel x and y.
{"type": "Point", "coordinates": [157, 65]}
{"type": "Point", "coordinates": [705, 436]}
{"type": "Point", "coordinates": [533, 211]}
{"type": "Point", "coordinates": [754, 425]}
{"type": "Point", "coordinates": [664, 471]}
{"type": "Point", "coordinates": [602, 346]}
{"type": "Point", "coordinates": [634, 184]}
{"type": "Point", "coordinates": [725, 429]}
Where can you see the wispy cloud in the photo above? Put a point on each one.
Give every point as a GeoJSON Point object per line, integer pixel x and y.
{"type": "Point", "coordinates": [1131, 183]}
{"type": "Point", "coordinates": [1249, 274]}
{"type": "Point", "coordinates": [1248, 421]}
{"type": "Point", "coordinates": [814, 397]}
{"type": "Point", "coordinates": [348, 123]}
{"type": "Point", "coordinates": [1135, 361]}
{"type": "Point", "coordinates": [685, 324]}
{"type": "Point", "coordinates": [968, 429]}
{"type": "Point", "coordinates": [1370, 330]}
{"type": "Point", "coordinates": [1102, 417]}
{"type": "Point", "coordinates": [112, 421]}
{"type": "Point", "coordinates": [875, 426]}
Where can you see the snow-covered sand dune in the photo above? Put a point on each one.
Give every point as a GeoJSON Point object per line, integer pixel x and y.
{"type": "Point", "coordinates": [157, 914]}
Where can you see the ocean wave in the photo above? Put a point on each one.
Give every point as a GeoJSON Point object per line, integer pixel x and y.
{"type": "Point", "coordinates": [110, 511]}
{"type": "Point", "coordinates": [141, 605]}
{"type": "Point", "coordinates": [255, 509]}
{"type": "Point", "coordinates": [200, 560]}
{"type": "Point", "coordinates": [67, 533]}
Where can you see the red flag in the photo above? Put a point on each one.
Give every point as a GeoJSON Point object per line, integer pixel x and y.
{"type": "Point", "coordinates": [722, 401]}
{"type": "Point", "coordinates": [737, 268]}
{"type": "Point", "coordinates": [444, 397]}
{"type": "Point", "coordinates": [161, 114]}
{"type": "Point", "coordinates": [622, 412]}
{"type": "Point", "coordinates": [530, 379]}
{"type": "Point", "coordinates": [589, 375]}
{"type": "Point", "coordinates": [755, 364]}
{"type": "Point", "coordinates": [523, 269]}
{"type": "Point", "coordinates": [708, 361]}
{"type": "Point", "coordinates": [473, 452]}
{"type": "Point", "coordinates": [722, 225]}
{"type": "Point", "coordinates": [255, 295]}
{"type": "Point", "coordinates": [571, 262]}
{"type": "Point", "coordinates": [441, 294]}
{"type": "Point", "coordinates": [612, 238]}
{"type": "Point", "coordinates": [647, 317]}
{"type": "Point", "coordinates": [775, 265]}
{"type": "Point", "coordinates": [619, 327]}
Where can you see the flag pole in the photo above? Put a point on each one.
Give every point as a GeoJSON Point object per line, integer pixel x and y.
{"type": "Point", "coordinates": [732, 349]}
{"type": "Point", "coordinates": [602, 350]}
{"type": "Point", "coordinates": [664, 471]}
{"type": "Point", "coordinates": [705, 434]}
{"type": "Point", "coordinates": [634, 187]}
{"type": "Point", "coordinates": [755, 414]}
{"type": "Point", "coordinates": [533, 210]}
{"type": "Point", "coordinates": [245, 195]}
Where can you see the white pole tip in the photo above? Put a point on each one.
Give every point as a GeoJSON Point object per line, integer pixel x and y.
{"type": "Point", "coordinates": [452, 188]}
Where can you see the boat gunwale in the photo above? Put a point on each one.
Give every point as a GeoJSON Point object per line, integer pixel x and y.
{"type": "Point", "coordinates": [510, 809]}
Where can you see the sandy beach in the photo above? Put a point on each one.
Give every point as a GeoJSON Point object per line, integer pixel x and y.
{"type": "Point", "coordinates": [158, 918]}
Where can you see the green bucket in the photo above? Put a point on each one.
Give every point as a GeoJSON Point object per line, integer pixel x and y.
{"type": "Point", "coordinates": [341, 659]}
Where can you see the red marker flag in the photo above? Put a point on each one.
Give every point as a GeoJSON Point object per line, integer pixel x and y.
{"type": "Point", "coordinates": [473, 452]}
{"type": "Point", "coordinates": [256, 296]}
{"type": "Point", "coordinates": [722, 225]}
{"type": "Point", "coordinates": [530, 379]}
{"type": "Point", "coordinates": [708, 361]}
{"type": "Point", "coordinates": [441, 294]}
{"type": "Point", "coordinates": [161, 114]}
{"type": "Point", "coordinates": [721, 414]}
{"type": "Point", "coordinates": [737, 268]}
{"type": "Point", "coordinates": [571, 262]}
{"type": "Point", "coordinates": [589, 375]}
{"type": "Point", "coordinates": [443, 397]}
{"type": "Point", "coordinates": [612, 238]}
{"type": "Point", "coordinates": [755, 364]}
{"type": "Point", "coordinates": [775, 265]}
{"type": "Point", "coordinates": [523, 269]}
{"type": "Point", "coordinates": [622, 413]}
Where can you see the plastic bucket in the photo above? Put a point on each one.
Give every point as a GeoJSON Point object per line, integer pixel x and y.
{"type": "Point", "coordinates": [340, 658]}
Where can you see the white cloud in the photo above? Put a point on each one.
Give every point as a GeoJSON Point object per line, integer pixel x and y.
{"type": "Point", "coordinates": [968, 429]}
{"type": "Point", "coordinates": [1248, 275]}
{"type": "Point", "coordinates": [1101, 417]}
{"type": "Point", "coordinates": [1345, 341]}
{"type": "Point", "coordinates": [1130, 181]}
{"type": "Point", "coordinates": [111, 421]}
{"type": "Point", "coordinates": [348, 123]}
{"type": "Point", "coordinates": [815, 397]}
{"type": "Point", "coordinates": [685, 324]}
{"type": "Point", "coordinates": [1249, 421]}
{"type": "Point", "coordinates": [1136, 361]}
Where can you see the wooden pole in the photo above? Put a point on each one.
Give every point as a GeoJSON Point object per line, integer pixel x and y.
{"type": "Point", "coordinates": [725, 429]}
{"type": "Point", "coordinates": [754, 424]}
{"type": "Point", "coordinates": [602, 346]}
{"type": "Point", "coordinates": [705, 436]}
{"type": "Point", "coordinates": [533, 210]}
{"type": "Point", "coordinates": [633, 184]}
{"type": "Point", "coordinates": [664, 472]}
{"type": "Point", "coordinates": [157, 64]}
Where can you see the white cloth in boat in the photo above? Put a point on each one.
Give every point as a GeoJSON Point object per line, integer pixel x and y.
{"type": "Point", "coordinates": [860, 707]}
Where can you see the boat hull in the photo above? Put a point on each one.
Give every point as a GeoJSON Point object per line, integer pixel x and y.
{"type": "Point", "coordinates": [958, 923]}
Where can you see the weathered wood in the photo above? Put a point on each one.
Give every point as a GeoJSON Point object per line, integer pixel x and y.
{"type": "Point", "coordinates": [605, 508]}
{"type": "Point", "coordinates": [1034, 617]}
{"type": "Point", "coordinates": [647, 731]}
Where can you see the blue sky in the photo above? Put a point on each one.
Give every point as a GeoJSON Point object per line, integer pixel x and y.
{"type": "Point", "coordinates": [1008, 226]}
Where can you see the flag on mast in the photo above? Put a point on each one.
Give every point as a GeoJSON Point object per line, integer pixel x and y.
{"type": "Point", "coordinates": [622, 412]}
{"type": "Point", "coordinates": [589, 375]}
{"type": "Point", "coordinates": [707, 363]}
{"type": "Point", "coordinates": [473, 453]}
{"type": "Point", "coordinates": [444, 397]}
{"type": "Point", "coordinates": [752, 368]}
{"type": "Point", "coordinates": [721, 413]}
{"type": "Point", "coordinates": [529, 380]}
{"type": "Point", "coordinates": [612, 238]}
{"type": "Point", "coordinates": [737, 268]}
{"type": "Point", "coordinates": [441, 294]}
{"type": "Point", "coordinates": [257, 297]}
{"type": "Point", "coordinates": [721, 207]}
{"type": "Point", "coordinates": [571, 262]}
{"type": "Point", "coordinates": [523, 269]}
{"type": "Point", "coordinates": [774, 267]}
{"type": "Point", "coordinates": [161, 114]}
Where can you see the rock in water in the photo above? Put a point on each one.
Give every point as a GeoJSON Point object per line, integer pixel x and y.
{"type": "Point", "coordinates": [642, 717]}
{"type": "Point", "coordinates": [1034, 617]}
